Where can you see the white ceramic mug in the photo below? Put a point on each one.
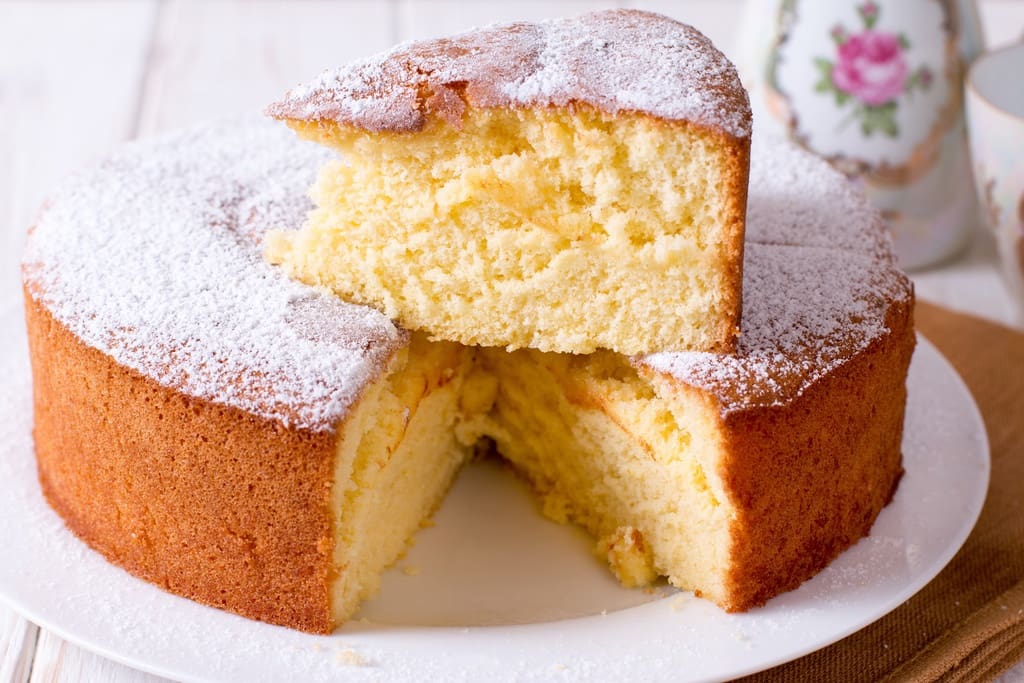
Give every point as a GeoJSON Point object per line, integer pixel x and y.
{"type": "Point", "coordinates": [995, 121]}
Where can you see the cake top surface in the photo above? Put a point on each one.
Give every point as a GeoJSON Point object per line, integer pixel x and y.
{"type": "Point", "coordinates": [614, 60]}
{"type": "Point", "coordinates": [808, 311]}
{"type": "Point", "coordinates": [818, 282]}
{"type": "Point", "coordinates": [798, 199]}
{"type": "Point", "coordinates": [154, 257]}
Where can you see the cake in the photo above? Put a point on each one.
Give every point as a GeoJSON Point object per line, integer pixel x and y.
{"type": "Point", "coordinates": [256, 444]}
{"type": "Point", "coordinates": [566, 186]}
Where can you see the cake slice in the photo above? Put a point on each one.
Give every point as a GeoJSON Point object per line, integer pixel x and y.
{"type": "Point", "coordinates": [566, 186]}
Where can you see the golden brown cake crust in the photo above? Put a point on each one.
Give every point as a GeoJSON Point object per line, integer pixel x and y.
{"type": "Point", "coordinates": [737, 155]}
{"type": "Point", "coordinates": [809, 480]}
{"type": "Point", "coordinates": [206, 501]}
{"type": "Point", "coordinates": [187, 397]}
{"type": "Point", "coordinates": [614, 60]}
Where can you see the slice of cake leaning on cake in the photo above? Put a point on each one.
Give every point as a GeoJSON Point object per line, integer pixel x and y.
{"type": "Point", "coordinates": [259, 445]}
{"type": "Point", "coordinates": [566, 186]}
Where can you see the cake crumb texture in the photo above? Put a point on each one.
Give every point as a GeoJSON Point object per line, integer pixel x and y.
{"type": "Point", "coordinates": [599, 206]}
{"type": "Point", "coordinates": [557, 230]}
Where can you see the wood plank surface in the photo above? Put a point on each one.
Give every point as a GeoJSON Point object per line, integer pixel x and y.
{"type": "Point", "coordinates": [17, 646]}
{"type": "Point", "coordinates": [57, 660]}
{"type": "Point", "coordinates": [418, 19]}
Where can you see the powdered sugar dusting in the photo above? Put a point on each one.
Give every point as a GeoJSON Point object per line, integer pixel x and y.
{"type": "Point", "coordinates": [806, 311]}
{"type": "Point", "coordinates": [616, 60]}
{"type": "Point", "coordinates": [818, 283]}
{"type": "Point", "coordinates": [154, 258]}
{"type": "Point", "coordinates": [797, 198]}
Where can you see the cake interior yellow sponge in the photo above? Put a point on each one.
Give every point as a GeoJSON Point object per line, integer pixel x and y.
{"type": "Point", "coordinates": [533, 200]}
{"type": "Point", "coordinates": [546, 229]}
{"type": "Point", "coordinates": [639, 472]}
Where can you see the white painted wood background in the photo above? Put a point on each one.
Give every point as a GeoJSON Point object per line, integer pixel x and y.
{"type": "Point", "coordinates": [78, 77]}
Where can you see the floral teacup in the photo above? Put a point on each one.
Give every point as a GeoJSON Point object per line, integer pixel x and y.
{"type": "Point", "coordinates": [995, 120]}
{"type": "Point", "coordinates": [875, 87]}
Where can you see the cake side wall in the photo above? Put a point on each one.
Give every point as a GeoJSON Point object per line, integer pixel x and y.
{"type": "Point", "coordinates": [737, 173]}
{"type": "Point", "coordinates": [203, 500]}
{"type": "Point", "coordinates": [808, 480]}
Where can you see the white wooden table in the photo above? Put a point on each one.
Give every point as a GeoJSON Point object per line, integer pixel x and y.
{"type": "Point", "coordinates": [78, 77]}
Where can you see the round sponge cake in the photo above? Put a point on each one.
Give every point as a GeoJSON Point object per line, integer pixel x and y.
{"type": "Point", "coordinates": [258, 445]}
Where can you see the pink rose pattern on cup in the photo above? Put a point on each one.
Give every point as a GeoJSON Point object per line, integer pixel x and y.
{"type": "Point", "coordinates": [871, 67]}
{"type": "Point", "coordinates": [869, 74]}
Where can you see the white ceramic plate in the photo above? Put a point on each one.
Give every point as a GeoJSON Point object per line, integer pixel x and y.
{"type": "Point", "coordinates": [494, 591]}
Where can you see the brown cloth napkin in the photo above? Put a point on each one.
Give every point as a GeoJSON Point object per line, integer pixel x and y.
{"type": "Point", "coordinates": [968, 623]}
